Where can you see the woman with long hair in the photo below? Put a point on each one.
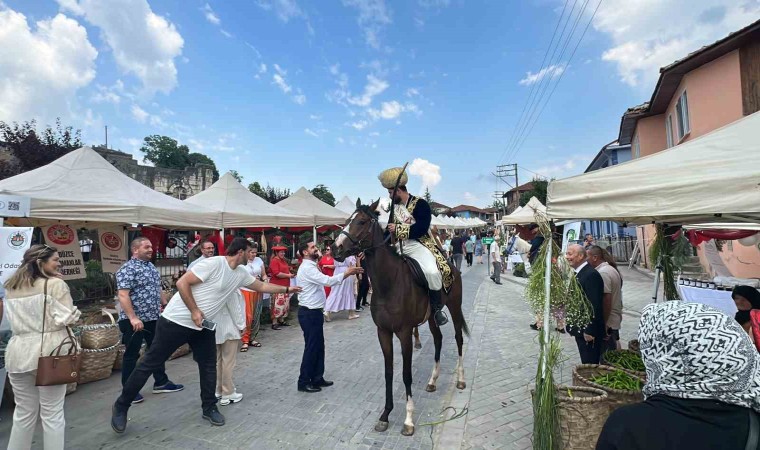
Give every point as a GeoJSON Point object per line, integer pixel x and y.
{"type": "Point", "coordinates": [36, 295]}
{"type": "Point", "coordinates": [281, 275]}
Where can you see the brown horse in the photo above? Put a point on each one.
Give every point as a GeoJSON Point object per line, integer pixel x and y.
{"type": "Point", "coordinates": [398, 305]}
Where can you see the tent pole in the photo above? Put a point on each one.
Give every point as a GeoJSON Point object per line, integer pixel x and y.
{"type": "Point", "coordinates": [656, 283]}
{"type": "Point", "coordinates": [547, 302]}
{"type": "Point", "coordinates": [315, 234]}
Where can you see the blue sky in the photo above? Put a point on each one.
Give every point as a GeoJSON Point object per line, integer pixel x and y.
{"type": "Point", "coordinates": [296, 93]}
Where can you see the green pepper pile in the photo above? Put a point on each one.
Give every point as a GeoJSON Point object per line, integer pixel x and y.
{"type": "Point", "coordinates": [625, 360]}
{"type": "Point", "coordinates": [618, 380]}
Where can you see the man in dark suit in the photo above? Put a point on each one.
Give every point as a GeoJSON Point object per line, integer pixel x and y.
{"type": "Point", "coordinates": [590, 340]}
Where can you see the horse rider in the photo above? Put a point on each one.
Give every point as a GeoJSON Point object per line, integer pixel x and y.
{"type": "Point", "coordinates": [411, 227]}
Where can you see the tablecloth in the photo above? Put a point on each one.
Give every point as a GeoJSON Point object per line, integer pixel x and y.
{"type": "Point", "coordinates": [712, 297]}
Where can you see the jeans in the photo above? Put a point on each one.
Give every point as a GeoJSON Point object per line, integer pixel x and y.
{"type": "Point", "coordinates": [169, 337]}
{"type": "Point", "coordinates": [313, 362]}
{"type": "Point", "coordinates": [458, 261]}
{"type": "Point", "coordinates": [45, 402]}
{"type": "Point", "coordinates": [591, 352]}
{"type": "Point", "coordinates": [497, 272]}
{"type": "Point", "coordinates": [133, 341]}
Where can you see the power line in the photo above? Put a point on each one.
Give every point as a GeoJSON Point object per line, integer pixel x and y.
{"type": "Point", "coordinates": [534, 173]}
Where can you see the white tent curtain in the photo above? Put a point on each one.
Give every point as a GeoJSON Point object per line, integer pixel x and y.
{"type": "Point", "coordinates": [346, 205]}
{"type": "Point", "coordinates": [303, 202]}
{"type": "Point", "coordinates": [526, 214]}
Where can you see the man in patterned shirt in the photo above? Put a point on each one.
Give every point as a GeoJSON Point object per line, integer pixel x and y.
{"type": "Point", "coordinates": [139, 286]}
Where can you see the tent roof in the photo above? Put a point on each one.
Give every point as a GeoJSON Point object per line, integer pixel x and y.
{"type": "Point", "coordinates": [526, 214]}
{"type": "Point", "coordinates": [241, 208]}
{"type": "Point", "coordinates": [304, 202]}
{"type": "Point", "coordinates": [81, 186]}
{"type": "Point", "coordinates": [716, 174]}
{"type": "Point", "coordinates": [346, 205]}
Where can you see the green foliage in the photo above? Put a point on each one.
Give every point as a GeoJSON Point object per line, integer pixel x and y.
{"type": "Point", "coordinates": [323, 193]}
{"type": "Point", "coordinates": [96, 285]}
{"type": "Point", "coordinates": [167, 153]}
{"type": "Point", "coordinates": [31, 149]}
{"type": "Point", "coordinates": [546, 431]}
{"type": "Point", "coordinates": [428, 198]}
{"type": "Point", "coordinates": [670, 257]}
{"type": "Point", "coordinates": [269, 193]}
{"type": "Point", "coordinates": [519, 271]}
{"type": "Point", "coordinates": [237, 176]}
{"type": "Point", "coordinates": [540, 187]}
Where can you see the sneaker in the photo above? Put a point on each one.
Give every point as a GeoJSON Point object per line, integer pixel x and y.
{"type": "Point", "coordinates": [359, 309]}
{"type": "Point", "coordinates": [138, 399]}
{"type": "Point", "coordinates": [168, 388]}
{"type": "Point", "coordinates": [218, 395]}
{"type": "Point", "coordinates": [228, 399]}
{"type": "Point", "coordinates": [214, 416]}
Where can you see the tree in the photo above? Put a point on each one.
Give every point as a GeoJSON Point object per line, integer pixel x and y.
{"type": "Point", "coordinates": [498, 204]}
{"type": "Point", "coordinates": [31, 150]}
{"type": "Point", "coordinates": [269, 193]}
{"type": "Point", "coordinates": [166, 152]}
{"type": "Point", "coordinates": [539, 191]}
{"type": "Point", "coordinates": [323, 193]}
{"type": "Point", "coordinates": [237, 176]}
{"type": "Point", "coordinates": [428, 198]}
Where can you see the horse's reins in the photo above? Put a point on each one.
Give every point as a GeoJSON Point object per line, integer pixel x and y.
{"type": "Point", "coordinates": [359, 244]}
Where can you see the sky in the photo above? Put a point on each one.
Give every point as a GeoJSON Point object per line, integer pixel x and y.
{"type": "Point", "coordinates": [298, 93]}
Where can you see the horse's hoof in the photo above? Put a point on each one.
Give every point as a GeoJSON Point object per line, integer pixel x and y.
{"type": "Point", "coordinates": [381, 426]}
{"type": "Point", "coordinates": [430, 388]}
{"type": "Point", "coordinates": [408, 430]}
{"type": "Point", "coordinates": [418, 345]}
{"type": "Point", "coordinates": [461, 385]}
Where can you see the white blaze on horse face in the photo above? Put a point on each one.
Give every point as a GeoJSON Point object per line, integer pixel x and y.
{"type": "Point", "coordinates": [409, 411]}
{"type": "Point", "coordinates": [342, 237]}
{"type": "Point", "coordinates": [434, 375]}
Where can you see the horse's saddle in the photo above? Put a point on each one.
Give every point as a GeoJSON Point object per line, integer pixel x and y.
{"type": "Point", "coordinates": [417, 274]}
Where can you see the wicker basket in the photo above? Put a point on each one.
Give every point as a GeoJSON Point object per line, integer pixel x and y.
{"type": "Point", "coordinates": [183, 350]}
{"type": "Point", "coordinates": [120, 349]}
{"type": "Point", "coordinates": [100, 336]}
{"type": "Point", "coordinates": [71, 388]}
{"type": "Point", "coordinates": [97, 364]}
{"type": "Point", "coordinates": [581, 417]}
{"type": "Point", "coordinates": [616, 398]}
{"type": "Point", "coordinates": [634, 346]}
{"type": "Point", "coordinates": [638, 373]}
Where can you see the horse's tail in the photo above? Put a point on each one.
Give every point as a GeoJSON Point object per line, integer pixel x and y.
{"type": "Point", "coordinates": [465, 328]}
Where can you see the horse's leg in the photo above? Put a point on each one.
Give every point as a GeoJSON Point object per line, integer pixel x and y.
{"type": "Point", "coordinates": [386, 343]}
{"type": "Point", "coordinates": [437, 340]}
{"type": "Point", "coordinates": [405, 336]}
{"type": "Point", "coordinates": [417, 343]}
{"type": "Point", "coordinates": [455, 309]}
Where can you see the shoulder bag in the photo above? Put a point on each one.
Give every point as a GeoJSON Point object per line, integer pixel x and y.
{"type": "Point", "coordinates": [56, 368]}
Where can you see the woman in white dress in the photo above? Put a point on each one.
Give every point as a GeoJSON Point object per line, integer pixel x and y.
{"type": "Point", "coordinates": [342, 297]}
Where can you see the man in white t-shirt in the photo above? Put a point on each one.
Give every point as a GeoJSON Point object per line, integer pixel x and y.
{"type": "Point", "coordinates": [495, 255]}
{"type": "Point", "coordinates": [210, 286]}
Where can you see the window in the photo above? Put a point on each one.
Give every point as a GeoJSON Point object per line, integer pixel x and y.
{"type": "Point", "coordinates": [669, 130]}
{"type": "Point", "coordinates": [682, 112]}
{"type": "Point", "coordinates": [636, 147]}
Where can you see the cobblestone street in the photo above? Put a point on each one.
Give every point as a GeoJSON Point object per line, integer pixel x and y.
{"type": "Point", "coordinates": [500, 362]}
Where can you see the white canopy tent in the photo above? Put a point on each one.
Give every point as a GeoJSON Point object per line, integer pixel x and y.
{"type": "Point", "coordinates": [81, 186]}
{"type": "Point", "coordinates": [346, 205]}
{"type": "Point", "coordinates": [526, 214]}
{"type": "Point", "coordinates": [241, 208]}
{"type": "Point", "coordinates": [304, 202]}
{"type": "Point", "coordinates": [711, 179]}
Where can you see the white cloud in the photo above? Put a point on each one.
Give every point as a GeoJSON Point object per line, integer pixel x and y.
{"type": "Point", "coordinates": [374, 16]}
{"type": "Point", "coordinates": [646, 36]}
{"type": "Point", "coordinates": [412, 92]}
{"type": "Point", "coordinates": [311, 132]}
{"type": "Point", "coordinates": [210, 15]}
{"type": "Point", "coordinates": [374, 87]}
{"type": "Point", "coordinates": [561, 168]}
{"type": "Point", "coordinates": [470, 197]}
{"type": "Point", "coordinates": [143, 43]}
{"type": "Point", "coordinates": [299, 98]}
{"type": "Point", "coordinates": [551, 72]}
{"type": "Point", "coordinates": [429, 172]}
{"type": "Point", "coordinates": [434, 3]}
{"type": "Point", "coordinates": [140, 114]}
{"type": "Point", "coordinates": [263, 68]}
{"type": "Point", "coordinates": [341, 140]}
{"type": "Point", "coordinates": [279, 80]}
{"type": "Point", "coordinates": [255, 50]}
{"type": "Point", "coordinates": [392, 110]}
{"type": "Point", "coordinates": [42, 69]}
{"type": "Point", "coordinates": [284, 9]}
{"type": "Point", "coordinates": [280, 70]}
{"type": "Point", "coordinates": [315, 117]}
{"type": "Point", "coordinates": [109, 94]}
{"type": "Point", "coordinates": [226, 33]}
{"type": "Point", "coordinates": [359, 125]}
{"type": "Point", "coordinates": [374, 134]}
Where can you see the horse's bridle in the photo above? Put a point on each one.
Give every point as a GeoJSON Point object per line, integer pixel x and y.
{"type": "Point", "coordinates": [359, 244]}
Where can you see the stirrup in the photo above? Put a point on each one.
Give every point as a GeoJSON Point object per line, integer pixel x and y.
{"type": "Point", "coordinates": [435, 319]}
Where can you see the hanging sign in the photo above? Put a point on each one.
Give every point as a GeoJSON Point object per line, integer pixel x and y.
{"type": "Point", "coordinates": [113, 252]}
{"type": "Point", "coordinates": [64, 238]}
{"type": "Point", "coordinates": [572, 235]}
{"type": "Point", "coordinates": [14, 206]}
{"type": "Point", "coordinates": [13, 242]}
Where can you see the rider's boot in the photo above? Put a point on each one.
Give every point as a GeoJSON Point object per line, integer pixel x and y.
{"type": "Point", "coordinates": [436, 304]}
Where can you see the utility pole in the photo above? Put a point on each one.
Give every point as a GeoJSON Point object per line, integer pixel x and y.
{"type": "Point", "coordinates": [504, 171]}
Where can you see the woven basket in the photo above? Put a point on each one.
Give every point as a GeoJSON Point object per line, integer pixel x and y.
{"type": "Point", "coordinates": [100, 336]}
{"type": "Point", "coordinates": [616, 398]}
{"type": "Point", "coordinates": [120, 349]}
{"type": "Point", "coordinates": [183, 350]}
{"type": "Point", "coordinates": [581, 417]}
{"type": "Point", "coordinates": [97, 364]}
{"type": "Point", "coordinates": [638, 373]}
{"type": "Point", "coordinates": [71, 388]}
{"type": "Point", "coordinates": [634, 346]}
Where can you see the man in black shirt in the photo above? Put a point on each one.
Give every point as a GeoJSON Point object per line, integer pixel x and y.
{"type": "Point", "coordinates": [457, 249]}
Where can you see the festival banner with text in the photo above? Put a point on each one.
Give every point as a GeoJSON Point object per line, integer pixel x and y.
{"type": "Point", "coordinates": [13, 242]}
{"type": "Point", "coordinates": [112, 249]}
{"type": "Point", "coordinates": [64, 238]}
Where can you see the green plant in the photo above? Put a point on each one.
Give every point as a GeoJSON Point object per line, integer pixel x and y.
{"type": "Point", "coordinates": [546, 435]}
{"type": "Point", "coordinates": [96, 284]}
{"type": "Point", "coordinates": [669, 256]}
{"type": "Point", "coordinates": [625, 360]}
{"type": "Point", "coordinates": [519, 270]}
{"type": "Point", "coordinates": [618, 379]}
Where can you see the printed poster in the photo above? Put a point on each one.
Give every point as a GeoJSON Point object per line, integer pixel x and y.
{"type": "Point", "coordinates": [13, 242]}
{"type": "Point", "coordinates": [64, 238]}
{"type": "Point", "coordinates": [112, 249]}
{"type": "Point", "coordinates": [572, 235]}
